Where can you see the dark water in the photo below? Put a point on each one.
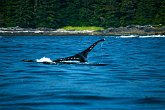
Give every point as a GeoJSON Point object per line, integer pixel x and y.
{"type": "Point", "coordinates": [134, 78]}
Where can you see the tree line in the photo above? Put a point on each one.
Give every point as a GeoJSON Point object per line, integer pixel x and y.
{"type": "Point", "coordinates": [101, 13]}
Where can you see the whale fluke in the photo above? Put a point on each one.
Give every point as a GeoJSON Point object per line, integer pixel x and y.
{"type": "Point", "coordinates": [81, 57]}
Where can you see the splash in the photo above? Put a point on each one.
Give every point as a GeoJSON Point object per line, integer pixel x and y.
{"type": "Point", "coordinates": [44, 59]}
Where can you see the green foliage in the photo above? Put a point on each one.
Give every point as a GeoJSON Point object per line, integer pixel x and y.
{"type": "Point", "coordinates": [81, 13]}
{"type": "Point", "coordinates": [93, 28]}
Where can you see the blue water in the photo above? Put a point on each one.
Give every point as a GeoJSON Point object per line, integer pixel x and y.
{"type": "Point", "coordinates": [133, 79]}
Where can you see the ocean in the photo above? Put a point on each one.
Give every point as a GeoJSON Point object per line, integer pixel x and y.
{"type": "Point", "coordinates": [122, 73]}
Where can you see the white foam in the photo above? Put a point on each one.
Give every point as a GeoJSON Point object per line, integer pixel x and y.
{"type": "Point", "coordinates": [141, 36]}
{"type": "Point", "coordinates": [44, 59]}
{"type": "Point", "coordinates": [129, 36]}
{"type": "Point", "coordinates": [151, 36]}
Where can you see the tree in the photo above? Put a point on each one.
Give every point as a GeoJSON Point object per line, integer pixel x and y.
{"type": "Point", "coordinates": [60, 13]}
{"type": "Point", "coordinates": [146, 12]}
{"type": "Point", "coordinates": [160, 16]}
{"type": "Point", "coordinates": [128, 9]}
{"type": "Point", "coordinates": [2, 13]}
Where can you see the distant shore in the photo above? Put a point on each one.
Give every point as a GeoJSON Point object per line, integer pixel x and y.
{"type": "Point", "coordinates": [129, 30]}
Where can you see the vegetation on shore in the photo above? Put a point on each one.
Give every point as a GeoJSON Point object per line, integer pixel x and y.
{"type": "Point", "coordinates": [76, 28]}
{"type": "Point", "coordinates": [100, 13]}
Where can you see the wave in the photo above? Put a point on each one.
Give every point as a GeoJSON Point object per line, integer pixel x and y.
{"type": "Point", "coordinates": [147, 36]}
{"type": "Point", "coordinates": [141, 36]}
{"type": "Point", "coordinates": [129, 36]}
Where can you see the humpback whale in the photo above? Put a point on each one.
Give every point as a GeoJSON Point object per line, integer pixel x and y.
{"type": "Point", "coordinates": [79, 57]}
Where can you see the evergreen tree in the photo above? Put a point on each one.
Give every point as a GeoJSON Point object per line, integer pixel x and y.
{"type": "Point", "coordinates": [60, 13]}
{"type": "Point", "coordinates": [128, 9]}
{"type": "Point", "coordinates": [160, 15]}
{"type": "Point", "coordinates": [24, 14]}
{"type": "Point", "coordinates": [146, 12]}
{"type": "Point", "coordinates": [2, 10]}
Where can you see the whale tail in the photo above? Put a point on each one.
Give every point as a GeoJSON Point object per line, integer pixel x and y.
{"type": "Point", "coordinates": [85, 52]}
{"type": "Point", "coordinates": [82, 56]}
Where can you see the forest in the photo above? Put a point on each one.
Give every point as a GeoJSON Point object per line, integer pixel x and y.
{"type": "Point", "coordinates": [101, 13]}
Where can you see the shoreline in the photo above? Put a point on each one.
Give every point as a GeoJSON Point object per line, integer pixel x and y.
{"type": "Point", "coordinates": [129, 30]}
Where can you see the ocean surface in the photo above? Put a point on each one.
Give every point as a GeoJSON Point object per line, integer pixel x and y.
{"type": "Point", "coordinates": [132, 76]}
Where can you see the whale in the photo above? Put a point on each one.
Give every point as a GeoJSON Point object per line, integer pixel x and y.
{"type": "Point", "coordinates": [80, 57]}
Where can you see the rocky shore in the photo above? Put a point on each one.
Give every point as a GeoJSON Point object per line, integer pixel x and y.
{"type": "Point", "coordinates": [136, 30]}
{"type": "Point", "coordinates": [129, 30]}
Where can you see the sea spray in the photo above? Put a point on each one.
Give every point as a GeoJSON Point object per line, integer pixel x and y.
{"type": "Point", "coordinates": [44, 59]}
